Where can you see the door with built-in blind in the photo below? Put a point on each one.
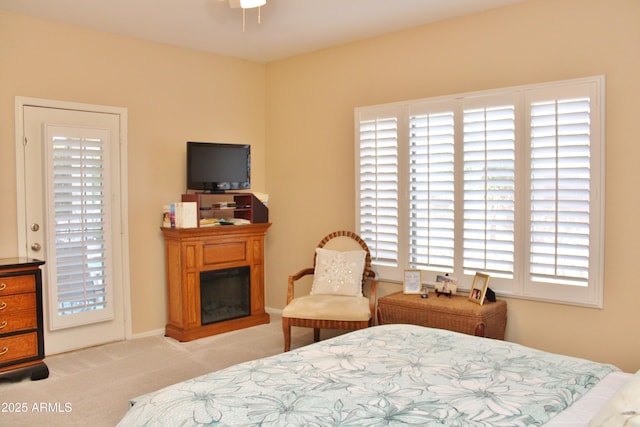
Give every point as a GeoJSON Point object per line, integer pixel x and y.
{"type": "Point", "coordinates": [71, 179]}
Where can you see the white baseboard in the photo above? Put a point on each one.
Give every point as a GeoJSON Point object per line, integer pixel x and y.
{"type": "Point", "coordinates": [156, 332]}
{"type": "Point", "coordinates": [152, 333]}
{"type": "Point", "coordinates": [270, 310]}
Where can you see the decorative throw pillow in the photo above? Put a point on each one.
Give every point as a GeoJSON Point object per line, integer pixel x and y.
{"type": "Point", "coordinates": [338, 273]}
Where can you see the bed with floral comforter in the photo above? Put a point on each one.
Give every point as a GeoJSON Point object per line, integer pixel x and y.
{"type": "Point", "coordinates": [384, 375]}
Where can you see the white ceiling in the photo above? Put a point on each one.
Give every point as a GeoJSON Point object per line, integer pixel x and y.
{"type": "Point", "coordinates": [287, 28]}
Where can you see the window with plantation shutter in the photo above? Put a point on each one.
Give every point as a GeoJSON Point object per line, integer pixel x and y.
{"type": "Point", "coordinates": [560, 190]}
{"type": "Point", "coordinates": [431, 189]}
{"type": "Point", "coordinates": [489, 189]}
{"type": "Point", "coordinates": [507, 182]}
{"type": "Point", "coordinates": [378, 187]}
{"type": "Point", "coordinates": [77, 165]}
{"type": "Point", "coordinates": [566, 185]}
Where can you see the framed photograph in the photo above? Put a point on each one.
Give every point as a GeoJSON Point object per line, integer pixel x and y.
{"type": "Point", "coordinates": [412, 282]}
{"type": "Point", "coordinates": [446, 285]}
{"type": "Point", "coordinates": [479, 288]}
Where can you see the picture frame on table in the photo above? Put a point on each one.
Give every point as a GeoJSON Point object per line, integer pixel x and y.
{"type": "Point", "coordinates": [412, 283]}
{"type": "Point", "coordinates": [446, 285]}
{"type": "Point", "coordinates": [479, 288]}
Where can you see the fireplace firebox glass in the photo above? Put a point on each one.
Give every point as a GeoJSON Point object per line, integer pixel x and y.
{"type": "Point", "coordinates": [225, 294]}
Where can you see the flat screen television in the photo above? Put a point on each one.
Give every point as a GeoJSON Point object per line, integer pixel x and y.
{"type": "Point", "coordinates": [216, 167]}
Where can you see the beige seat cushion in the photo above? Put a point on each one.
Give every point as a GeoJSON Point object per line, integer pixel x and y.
{"type": "Point", "coordinates": [329, 307]}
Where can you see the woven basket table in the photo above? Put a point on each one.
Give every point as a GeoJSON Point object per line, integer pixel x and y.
{"type": "Point", "coordinates": [455, 313]}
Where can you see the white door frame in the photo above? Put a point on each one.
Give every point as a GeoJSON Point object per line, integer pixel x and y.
{"type": "Point", "coordinates": [20, 103]}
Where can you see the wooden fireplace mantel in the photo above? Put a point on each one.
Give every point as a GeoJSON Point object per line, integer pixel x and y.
{"type": "Point", "coordinates": [190, 251]}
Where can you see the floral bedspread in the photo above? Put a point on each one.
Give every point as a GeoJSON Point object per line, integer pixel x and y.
{"type": "Point", "coordinates": [384, 375]}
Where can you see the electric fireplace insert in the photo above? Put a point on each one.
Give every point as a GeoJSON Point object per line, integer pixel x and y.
{"type": "Point", "coordinates": [225, 294]}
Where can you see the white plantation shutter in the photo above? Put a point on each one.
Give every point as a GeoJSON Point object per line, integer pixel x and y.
{"type": "Point", "coordinates": [489, 189]}
{"type": "Point", "coordinates": [560, 190]}
{"type": "Point", "coordinates": [78, 196]}
{"type": "Point", "coordinates": [378, 187]}
{"type": "Point", "coordinates": [509, 182]}
{"type": "Point", "coordinates": [431, 191]}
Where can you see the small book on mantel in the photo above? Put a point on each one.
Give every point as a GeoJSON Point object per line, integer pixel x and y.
{"type": "Point", "coordinates": [166, 216]}
{"type": "Point", "coordinates": [180, 215]}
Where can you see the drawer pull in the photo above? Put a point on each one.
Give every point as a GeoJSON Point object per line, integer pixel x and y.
{"type": "Point", "coordinates": [3, 324]}
{"type": "Point", "coordinates": [3, 305]}
{"type": "Point", "coordinates": [3, 286]}
{"type": "Point", "coordinates": [4, 351]}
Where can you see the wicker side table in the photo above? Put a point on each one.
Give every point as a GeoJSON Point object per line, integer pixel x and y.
{"type": "Point", "coordinates": [455, 313]}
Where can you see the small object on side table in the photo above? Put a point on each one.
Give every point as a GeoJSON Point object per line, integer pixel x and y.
{"type": "Point", "coordinates": [449, 293]}
{"type": "Point", "coordinates": [446, 285]}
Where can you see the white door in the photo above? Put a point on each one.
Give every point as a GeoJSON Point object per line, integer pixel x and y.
{"type": "Point", "coordinates": [69, 186]}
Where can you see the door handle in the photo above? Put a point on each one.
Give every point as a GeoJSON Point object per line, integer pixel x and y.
{"type": "Point", "coordinates": [36, 247]}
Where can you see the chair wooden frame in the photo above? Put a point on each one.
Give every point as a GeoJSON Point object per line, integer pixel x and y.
{"type": "Point", "coordinates": [317, 324]}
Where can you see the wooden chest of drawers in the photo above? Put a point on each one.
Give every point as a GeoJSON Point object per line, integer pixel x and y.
{"type": "Point", "coordinates": [21, 326]}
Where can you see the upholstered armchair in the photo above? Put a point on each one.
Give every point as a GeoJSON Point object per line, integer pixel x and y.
{"type": "Point", "coordinates": [342, 275]}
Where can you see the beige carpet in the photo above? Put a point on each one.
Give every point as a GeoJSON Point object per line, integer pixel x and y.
{"type": "Point", "coordinates": [92, 387]}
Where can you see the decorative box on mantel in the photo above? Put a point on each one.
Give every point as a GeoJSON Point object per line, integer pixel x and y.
{"type": "Point", "coordinates": [455, 313]}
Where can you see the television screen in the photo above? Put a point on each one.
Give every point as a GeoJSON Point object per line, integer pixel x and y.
{"type": "Point", "coordinates": [216, 167]}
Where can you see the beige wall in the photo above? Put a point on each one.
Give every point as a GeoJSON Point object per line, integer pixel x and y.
{"type": "Point", "coordinates": [172, 95]}
{"type": "Point", "coordinates": [310, 159]}
{"type": "Point", "coordinates": [302, 110]}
